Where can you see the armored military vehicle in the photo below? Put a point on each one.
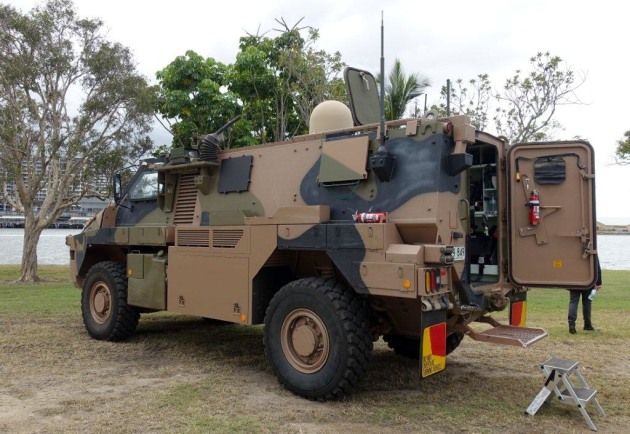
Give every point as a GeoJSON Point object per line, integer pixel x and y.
{"type": "Point", "coordinates": [410, 230]}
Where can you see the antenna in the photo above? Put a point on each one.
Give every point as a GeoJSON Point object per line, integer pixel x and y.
{"type": "Point", "coordinates": [382, 162]}
{"type": "Point", "coordinates": [382, 138]}
{"type": "Point", "coordinates": [448, 97]}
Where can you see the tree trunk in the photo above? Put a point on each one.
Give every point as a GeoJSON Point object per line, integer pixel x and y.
{"type": "Point", "coordinates": [29, 252]}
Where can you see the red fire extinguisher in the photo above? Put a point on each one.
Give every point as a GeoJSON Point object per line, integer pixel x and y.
{"type": "Point", "coordinates": [534, 208]}
{"type": "Point", "coordinates": [370, 217]}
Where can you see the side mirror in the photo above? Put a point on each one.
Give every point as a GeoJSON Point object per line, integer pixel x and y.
{"type": "Point", "coordinates": [117, 187]}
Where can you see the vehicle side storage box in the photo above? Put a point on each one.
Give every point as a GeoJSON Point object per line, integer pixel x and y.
{"type": "Point", "coordinates": [146, 284]}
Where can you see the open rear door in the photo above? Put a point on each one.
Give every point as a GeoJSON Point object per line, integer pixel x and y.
{"type": "Point", "coordinates": [557, 250]}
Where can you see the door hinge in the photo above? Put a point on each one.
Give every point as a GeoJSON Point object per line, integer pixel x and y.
{"type": "Point", "coordinates": [588, 249]}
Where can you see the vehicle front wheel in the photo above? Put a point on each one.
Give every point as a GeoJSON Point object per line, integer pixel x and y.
{"type": "Point", "coordinates": [106, 314]}
{"type": "Point", "coordinates": [317, 338]}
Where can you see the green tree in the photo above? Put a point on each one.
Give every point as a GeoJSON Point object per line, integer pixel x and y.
{"type": "Point", "coordinates": [281, 79]}
{"type": "Point", "coordinates": [525, 107]}
{"type": "Point", "coordinates": [72, 106]}
{"type": "Point", "coordinates": [316, 75]}
{"type": "Point", "coordinates": [274, 84]}
{"type": "Point", "coordinates": [253, 80]}
{"type": "Point", "coordinates": [622, 154]}
{"type": "Point", "coordinates": [401, 89]}
{"type": "Point", "coordinates": [472, 99]}
{"type": "Point", "coordinates": [530, 101]}
{"type": "Point", "coordinates": [193, 99]}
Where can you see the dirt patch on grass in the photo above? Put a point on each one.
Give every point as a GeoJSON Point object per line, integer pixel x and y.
{"type": "Point", "coordinates": [181, 374]}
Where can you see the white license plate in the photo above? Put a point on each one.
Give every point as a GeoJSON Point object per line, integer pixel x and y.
{"type": "Point", "coordinates": [459, 253]}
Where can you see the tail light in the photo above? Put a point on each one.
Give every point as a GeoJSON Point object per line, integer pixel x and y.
{"type": "Point", "coordinates": [433, 279]}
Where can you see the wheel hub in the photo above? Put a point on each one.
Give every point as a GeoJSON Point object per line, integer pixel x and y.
{"type": "Point", "coordinates": [305, 342]}
{"type": "Point", "coordinates": [100, 302]}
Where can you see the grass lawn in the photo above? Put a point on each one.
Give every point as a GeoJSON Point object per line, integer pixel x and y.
{"type": "Point", "coordinates": [181, 374]}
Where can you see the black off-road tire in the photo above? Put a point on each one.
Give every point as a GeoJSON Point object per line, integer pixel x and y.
{"type": "Point", "coordinates": [452, 342]}
{"type": "Point", "coordinates": [106, 314]}
{"type": "Point", "coordinates": [404, 346]}
{"type": "Point", "coordinates": [410, 347]}
{"type": "Point", "coordinates": [317, 338]}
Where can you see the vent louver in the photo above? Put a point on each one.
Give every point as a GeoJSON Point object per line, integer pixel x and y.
{"type": "Point", "coordinates": [186, 200]}
{"type": "Point", "coordinates": [226, 238]}
{"type": "Point", "coordinates": [193, 238]}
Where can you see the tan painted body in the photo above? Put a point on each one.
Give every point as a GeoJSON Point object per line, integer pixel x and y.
{"type": "Point", "coordinates": [273, 208]}
{"type": "Point", "coordinates": [221, 238]}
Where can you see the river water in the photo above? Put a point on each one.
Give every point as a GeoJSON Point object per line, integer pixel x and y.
{"type": "Point", "coordinates": [51, 249]}
{"type": "Point", "coordinates": [614, 250]}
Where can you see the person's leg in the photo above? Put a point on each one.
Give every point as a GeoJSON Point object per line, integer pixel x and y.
{"type": "Point", "coordinates": [586, 311]}
{"type": "Point", "coordinates": [574, 298]}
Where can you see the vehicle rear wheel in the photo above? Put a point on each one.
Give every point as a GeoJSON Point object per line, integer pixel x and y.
{"type": "Point", "coordinates": [106, 314]}
{"type": "Point", "coordinates": [452, 342]}
{"type": "Point", "coordinates": [317, 338]}
{"type": "Point", "coordinates": [410, 347]}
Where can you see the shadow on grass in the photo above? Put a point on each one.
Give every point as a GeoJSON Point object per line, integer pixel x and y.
{"type": "Point", "coordinates": [176, 336]}
{"type": "Point", "coordinates": [168, 336]}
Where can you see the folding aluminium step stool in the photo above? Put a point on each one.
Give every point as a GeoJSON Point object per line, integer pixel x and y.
{"type": "Point", "coordinates": [557, 371]}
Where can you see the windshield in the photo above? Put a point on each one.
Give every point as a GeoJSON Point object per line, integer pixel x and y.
{"type": "Point", "coordinates": [145, 187]}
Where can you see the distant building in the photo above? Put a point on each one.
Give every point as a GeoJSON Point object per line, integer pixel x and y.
{"type": "Point", "coordinates": [86, 207]}
{"type": "Point", "coordinates": [613, 229]}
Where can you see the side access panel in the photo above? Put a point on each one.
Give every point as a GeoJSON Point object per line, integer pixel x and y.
{"type": "Point", "coordinates": [146, 280]}
{"type": "Point", "coordinates": [559, 250]}
{"type": "Point", "coordinates": [209, 286]}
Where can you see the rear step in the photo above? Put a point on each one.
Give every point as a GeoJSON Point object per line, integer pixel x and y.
{"type": "Point", "coordinates": [505, 334]}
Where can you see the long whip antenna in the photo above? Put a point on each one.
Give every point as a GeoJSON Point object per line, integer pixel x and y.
{"type": "Point", "coordinates": [382, 162]}
{"type": "Point", "coordinates": [382, 138]}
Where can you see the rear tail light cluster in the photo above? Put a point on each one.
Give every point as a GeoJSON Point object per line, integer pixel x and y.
{"type": "Point", "coordinates": [433, 279]}
{"type": "Point", "coordinates": [436, 286]}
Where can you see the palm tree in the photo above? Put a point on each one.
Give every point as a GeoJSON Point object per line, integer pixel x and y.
{"type": "Point", "coordinates": [401, 89]}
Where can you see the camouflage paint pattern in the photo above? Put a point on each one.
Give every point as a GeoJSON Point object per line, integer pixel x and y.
{"type": "Point", "coordinates": [296, 215]}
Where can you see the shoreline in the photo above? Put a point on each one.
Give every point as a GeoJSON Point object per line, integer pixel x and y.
{"type": "Point", "coordinates": [52, 250]}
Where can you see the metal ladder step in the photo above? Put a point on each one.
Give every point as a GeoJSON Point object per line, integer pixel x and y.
{"type": "Point", "coordinates": [513, 335]}
{"type": "Point", "coordinates": [584, 395]}
{"type": "Point", "coordinates": [563, 366]}
{"type": "Point", "coordinates": [506, 334]}
{"type": "Point", "coordinates": [557, 373]}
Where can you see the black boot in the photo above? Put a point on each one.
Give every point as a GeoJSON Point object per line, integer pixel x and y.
{"type": "Point", "coordinates": [572, 329]}
{"type": "Point", "coordinates": [589, 328]}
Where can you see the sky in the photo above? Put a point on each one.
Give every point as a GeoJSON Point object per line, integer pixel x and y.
{"type": "Point", "coordinates": [454, 39]}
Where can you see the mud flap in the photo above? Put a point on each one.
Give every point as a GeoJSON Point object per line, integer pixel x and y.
{"type": "Point", "coordinates": [432, 342]}
{"type": "Point", "coordinates": [518, 309]}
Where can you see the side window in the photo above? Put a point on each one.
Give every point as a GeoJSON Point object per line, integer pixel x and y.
{"type": "Point", "coordinates": [145, 187]}
{"type": "Point", "coordinates": [550, 170]}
